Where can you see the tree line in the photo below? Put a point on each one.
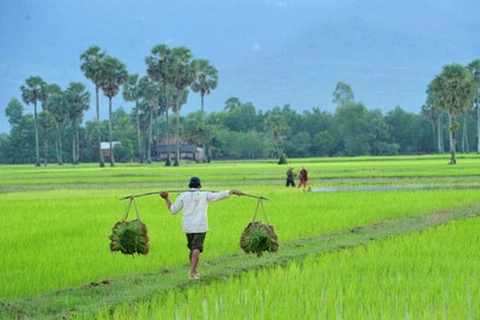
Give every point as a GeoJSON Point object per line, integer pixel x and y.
{"type": "Point", "coordinates": [239, 131]}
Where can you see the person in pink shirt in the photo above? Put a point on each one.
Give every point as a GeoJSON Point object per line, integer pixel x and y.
{"type": "Point", "coordinates": [303, 175]}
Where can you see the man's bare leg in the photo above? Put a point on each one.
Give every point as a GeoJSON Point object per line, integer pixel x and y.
{"type": "Point", "coordinates": [194, 257]}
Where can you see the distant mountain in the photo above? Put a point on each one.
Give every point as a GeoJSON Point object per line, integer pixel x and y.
{"type": "Point", "coordinates": [269, 52]}
{"type": "Point", "coordinates": [388, 51]}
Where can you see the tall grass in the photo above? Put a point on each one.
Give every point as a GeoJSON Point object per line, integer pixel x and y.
{"type": "Point", "coordinates": [425, 275]}
{"type": "Point", "coordinates": [57, 220]}
{"type": "Point", "coordinates": [56, 239]}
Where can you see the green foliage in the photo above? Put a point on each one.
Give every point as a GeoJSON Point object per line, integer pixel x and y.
{"type": "Point", "coordinates": [343, 94]}
{"type": "Point", "coordinates": [91, 66]}
{"type": "Point", "coordinates": [78, 204]}
{"type": "Point", "coordinates": [258, 238]}
{"type": "Point", "coordinates": [299, 144]}
{"type": "Point", "coordinates": [283, 159]}
{"type": "Point", "coordinates": [14, 112]}
{"type": "Point", "coordinates": [351, 131]}
{"type": "Point", "coordinates": [417, 272]}
{"type": "Point", "coordinates": [207, 77]}
{"type": "Point", "coordinates": [404, 129]}
{"type": "Point", "coordinates": [241, 145]}
{"type": "Point", "coordinates": [130, 237]}
{"type": "Point", "coordinates": [324, 143]}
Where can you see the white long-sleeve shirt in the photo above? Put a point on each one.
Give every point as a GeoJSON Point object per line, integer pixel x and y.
{"type": "Point", "coordinates": [194, 206]}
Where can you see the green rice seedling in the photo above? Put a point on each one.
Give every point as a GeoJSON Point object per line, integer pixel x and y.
{"type": "Point", "coordinates": [80, 221]}
{"type": "Point", "coordinates": [130, 237]}
{"type": "Point", "coordinates": [423, 275]}
{"type": "Point", "coordinates": [258, 237]}
{"type": "Point", "coordinates": [70, 210]}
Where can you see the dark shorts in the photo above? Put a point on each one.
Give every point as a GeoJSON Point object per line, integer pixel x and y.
{"type": "Point", "coordinates": [195, 241]}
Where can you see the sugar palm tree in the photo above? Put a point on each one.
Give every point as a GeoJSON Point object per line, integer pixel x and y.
{"type": "Point", "coordinates": [474, 68]}
{"type": "Point", "coordinates": [275, 124]}
{"type": "Point", "coordinates": [149, 90]}
{"type": "Point", "coordinates": [78, 101]}
{"type": "Point", "coordinates": [455, 89]}
{"type": "Point", "coordinates": [131, 92]}
{"type": "Point", "coordinates": [183, 74]}
{"type": "Point", "coordinates": [433, 113]}
{"type": "Point", "coordinates": [466, 114]}
{"type": "Point", "coordinates": [32, 92]}
{"type": "Point", "coordinates": [207, 80]}
{"type": "Point", "coordinates": [113, 75]}
{"type": "Point", "coordinates": [92, 69]}
{"type": "Point", "coordinates": [47, 122]}
{"type": "Point", "coordinates": [57, 106]}
{"type": "Point", "coordinates": [232, 103]}
{"type": "Point", "coordinates": [158, 70]}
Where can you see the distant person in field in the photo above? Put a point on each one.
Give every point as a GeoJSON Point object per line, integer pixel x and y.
{"type": "Point", "coordinates": [290, 178]}
{"type": "Point", "coordinates": [303, 176]}
{"type": "Point", "coordinates": [194, 205]}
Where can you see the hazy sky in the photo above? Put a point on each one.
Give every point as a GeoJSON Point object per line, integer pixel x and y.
{"type": "Point", "coordinates": [46, 38]}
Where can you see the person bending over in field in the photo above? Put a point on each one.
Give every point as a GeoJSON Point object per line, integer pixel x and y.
{"type": "Point", "coordinates": [194, 206]}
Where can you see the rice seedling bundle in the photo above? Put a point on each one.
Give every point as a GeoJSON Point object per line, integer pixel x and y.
{"type": "Point", "coordinates": [130, 237]}
{"type": "Point", "coordinates": [258, 238]}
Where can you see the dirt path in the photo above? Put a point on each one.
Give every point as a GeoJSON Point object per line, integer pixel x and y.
{"type": "Point", "coordinates": [96, 295]}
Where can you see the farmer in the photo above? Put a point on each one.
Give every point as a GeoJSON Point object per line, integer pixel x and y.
{"type": "Point", "coordinates": [290, 175]}
{"type": "Point", "coordinates": [194, 205]}
{"type": "Point", "coordinates": [303, 176]}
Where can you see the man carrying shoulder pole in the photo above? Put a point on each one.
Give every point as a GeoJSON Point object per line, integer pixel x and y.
{"type": "Point", "coordinates": [194, 206]}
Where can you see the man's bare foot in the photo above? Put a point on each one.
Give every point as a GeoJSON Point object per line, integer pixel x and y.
{"type": "Point", "coordinates": [194, 276]}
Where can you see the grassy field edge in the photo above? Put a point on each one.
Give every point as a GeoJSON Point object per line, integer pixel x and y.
{"type": "Point", "coordinates": [108, 293]}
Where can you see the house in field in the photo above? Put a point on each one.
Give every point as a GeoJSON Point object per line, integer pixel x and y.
{"type": "Point", "coordinates": [105, 147]}
{"type": "Point", "coordinates": [191, 152]}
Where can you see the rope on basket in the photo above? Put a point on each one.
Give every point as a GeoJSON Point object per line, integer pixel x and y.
{"type": "Point", "coordinates": [260, 205]}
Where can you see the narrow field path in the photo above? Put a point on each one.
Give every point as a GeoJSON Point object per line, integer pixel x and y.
{"type": "Point", "coordinates": [108, 293]}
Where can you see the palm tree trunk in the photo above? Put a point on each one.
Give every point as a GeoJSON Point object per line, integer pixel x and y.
{"type": "Point", "coordinates": [150, 136]}
{"type": "Point", "coordinates": [478, 122]}
{"type": "Point", "coordinates": [77, 145]}
{"type": "Point", "coordinates": [465, 133]}
{"type": "Point", "coordinates": [74, 129]}
{"type": "Point", "coordinates": [57, 135]}
{"type": "Point", "coordinates": [45, 148]}
{"type": "Point", "coordinates": [453, 141]}
{"type": "Point", "coordinates": [60, 146]}
{"type": "Point", "coordinates": [440, 136]}
{"type": "Point", "coordinates": [167, 162]}
{"type": "Point", "coordinates": [37, 151]}
{"type": "Point", "coordinates": [434, 134]}
{"type": "Point", "coordinates": [99, 134]}
{"type": "Point", "coordinates": [112, 159]}
{"type": "Point", "coordinates": [203, 129]}
{"type": "Point", "coordinates": [139, 140]}
{"type": "Point", "coordinates": [177, 129]}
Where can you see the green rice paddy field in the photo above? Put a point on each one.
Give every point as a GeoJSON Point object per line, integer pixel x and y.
{"type": "Point", "coordinates": [358, 253]}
